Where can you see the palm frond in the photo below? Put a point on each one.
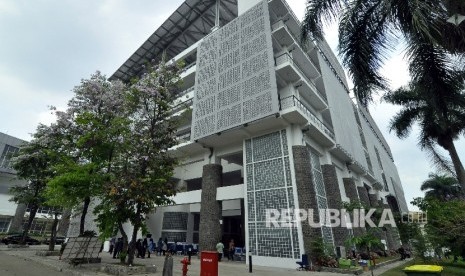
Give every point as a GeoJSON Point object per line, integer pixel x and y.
{"type": "Point", "coordinates": [438, 160]}
{"type": "Point", "coordinates": [317, 13]}
{"type": "Point", "coordinates": [365, 38]}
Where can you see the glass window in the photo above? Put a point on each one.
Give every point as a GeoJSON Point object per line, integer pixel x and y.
{"type": "Point", "coordinates": [7, 153]}
{"type": "Point", "coordinates": [4, 224]}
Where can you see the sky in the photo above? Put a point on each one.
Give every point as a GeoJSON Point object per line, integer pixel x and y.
{"type": "Point", "coordinates": [48, 46]}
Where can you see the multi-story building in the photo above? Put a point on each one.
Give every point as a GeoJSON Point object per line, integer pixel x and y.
{"type": "Point", "coordinates": [272, 127]}
{"type": "Point", "coordinates": [9, 145]}
{"type": "Point", "coordinates": [13, 216]}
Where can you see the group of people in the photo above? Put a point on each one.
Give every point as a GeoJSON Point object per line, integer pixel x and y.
{"type": "Point", "coordinates": [230, 251]}
{"type": "Point", "coordinates": [143, 247]}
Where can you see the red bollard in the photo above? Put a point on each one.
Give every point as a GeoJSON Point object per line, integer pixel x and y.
{"type": "Point", "coordinates": [185, 262]}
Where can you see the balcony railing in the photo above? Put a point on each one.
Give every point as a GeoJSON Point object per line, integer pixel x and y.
{"type": "Point", "coordinates": [186, 137]}
{"type": "Point", "coordinates": [186, 91]}
{"type": "Point", "coordinates": [287, 58]}
{"type": "Point", "coordinates": [190, 65]}
{"type": "Point", "coordinates": [298, 42]}
{"type": "Point", "coordinates": [182, 105]}
{"type": "Point", "coordinates": [292, 101]}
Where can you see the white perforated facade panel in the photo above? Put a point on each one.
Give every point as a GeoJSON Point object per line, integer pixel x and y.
{"type": "Point", "coordinates": [235, 79]}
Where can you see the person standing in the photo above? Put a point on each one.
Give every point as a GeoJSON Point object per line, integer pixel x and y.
{"type": "Point", "coordinates": [118, 248]}
{"type": "Point", "coordinates": [220, 249]}
{"type": "Point", "coordinates": [145, 246]}
{"type": "Point", "coordinates": [160, 246]}
{"type": "Point", "coordinates": [112, 245]}
{"type": "Point", "coordinates": [165, 246]}
{"type": "Point", "coordinates": [231, 250]}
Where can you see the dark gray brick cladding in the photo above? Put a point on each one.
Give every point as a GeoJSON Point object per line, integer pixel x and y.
{"type": "Point", "coordinates": [391, 238]}
{"type": "Point", "coordinates": [210, 229]}
{"type": "Point", "coordinates": [305, 193]}
{"type": "Point", "coordinates": [373, 200]}
{"type": "Point", "coordinates": [363, 195]}
{"type": "Point", "coordinates": [351, 189]}
{"type": "Point", "coordinates": [333, 195]}
{"type": "Point", "coordinates": [351, 193]}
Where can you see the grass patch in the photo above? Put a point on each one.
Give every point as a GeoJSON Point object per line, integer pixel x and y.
{"type": "Point", "coordinates": [450, 268]}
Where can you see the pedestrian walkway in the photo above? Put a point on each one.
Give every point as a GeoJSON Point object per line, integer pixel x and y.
{"type": "Point", "coordinates": [225, 268]}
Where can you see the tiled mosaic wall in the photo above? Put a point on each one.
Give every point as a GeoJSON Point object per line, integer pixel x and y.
{"type": "Point", "coordinates": [174, 226]}
{"type": "Point", "coordinates": [269, 186]}
{"type": "Point", "coordinates": [235, 80]}
{"type": "Point", "coordinates": [175, 220]}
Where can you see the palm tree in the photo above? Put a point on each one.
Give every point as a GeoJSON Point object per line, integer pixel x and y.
{"type": "Point", "coordinates": [441, 186]}
{"type": "Point", "coordinates": [370, 29]}
{"type": "Point", "coordinates": [437, 104]}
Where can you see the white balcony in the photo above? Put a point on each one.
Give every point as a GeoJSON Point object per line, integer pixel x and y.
{"type": "Point", "coordinates": [296, 112]}
{"type": "Point", "coordinates": [290, 71]}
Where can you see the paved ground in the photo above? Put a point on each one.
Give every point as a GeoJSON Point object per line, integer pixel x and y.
{"type": "Point", "coordinates": [226, 268]}
{"type": "Point", "coordinates": [15, 266]}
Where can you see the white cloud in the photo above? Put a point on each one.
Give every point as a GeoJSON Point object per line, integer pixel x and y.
{"type": "Point", "coordinates": [47, 48]}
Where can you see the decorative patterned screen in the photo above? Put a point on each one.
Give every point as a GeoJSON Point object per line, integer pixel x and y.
{"type": "Point", "coordinates": [235, 81]}
{"type": "Point", "coordinates": [269, 186]}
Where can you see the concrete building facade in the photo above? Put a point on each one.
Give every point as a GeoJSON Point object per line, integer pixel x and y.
{"type": "Point", "coordinates": [272, 127]}
{"type": "Point", "coordinates": [11, 214]}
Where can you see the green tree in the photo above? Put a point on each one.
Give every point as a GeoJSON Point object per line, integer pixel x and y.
{"type": "Point", "coordinates": [441, 187]}
{"type": "Point", "coordinates": [440, 114]}
{"type": "Point", "coordinates": [33, 165]}
{"type": "Point", "coordinates": [89, 131]}
{"type": "Point", "coordinates": [370, 29]}
{"type": "Point", "coordinates": [141, 176]}
{"type": "Point", "coordinates": [446, 226]}
{"type": "Point", "coordinates": [366, 241]}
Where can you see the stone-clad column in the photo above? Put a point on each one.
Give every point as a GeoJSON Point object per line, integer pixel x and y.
{"type": "Point", "coordinates": [16, 225]}
{"type": "Point", "coordinates": [306, 194]}
{"type": "Point", "coordinates": [351, 193]}
{"type": "Point", "coordinates": [363, 195]}
{"type": "Point", "coordinates": [390, 235]}
{"type": "Point", "coordinates": [333, 195]}
{"type": "Point", "coordinates": [210, 208]}
{"type": "Point", "coordinates": [373, 200]}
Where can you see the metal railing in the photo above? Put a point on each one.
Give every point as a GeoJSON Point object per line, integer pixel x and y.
{"type": "Point", "coordinates": [324, 50]}
{"type": "Point", "coordinates": [297, 42]}
{"type": "Point", "coordinates": [186, 91]}
{"type": "Point", "coordinates": [190, 65]}
{"type": "Point", "coordinates": [186, 137]}
{"type": "Point", "coordinates": [292, 101]}
{"type": "Point", "coordinates": [182, 105]}
{"type": "Point", "coordinates": [287, 58]}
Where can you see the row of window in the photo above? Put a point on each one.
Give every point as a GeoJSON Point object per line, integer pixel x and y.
{"type": "Point", "coordinates": [5, 159]}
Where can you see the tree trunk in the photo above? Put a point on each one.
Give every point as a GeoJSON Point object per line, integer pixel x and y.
{"type": "Point", "coordinates": [83, 215]}
{"type": "Point", "coordinates": [32, 215]}
{"type": "Point", "coordinates": [125, 240]}
{"type": "Point", "coordinates": [459, 171]}
{"type": "Point", "coordinates": [132, 244]}
{"type": "Point", "coordinates": [53, 235]}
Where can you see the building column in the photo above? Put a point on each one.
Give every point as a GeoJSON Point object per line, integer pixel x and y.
{"type": "Point", "coordinates": [373, 200]}
{"type": "Point", "coordinates": [306, 195]}
{"type": "Point", "coordinates": [363, 195]}
{"type": "Point", "coordinates": [351, 193]}
{"type": "Point", "coordinates": [390, 235]}
{"type": "Point", "coordinates": [210, 210]}
{"type": "Point", "coordinates": [333, 195]}
{"type": "Point", "coordinates": [16, 225]}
